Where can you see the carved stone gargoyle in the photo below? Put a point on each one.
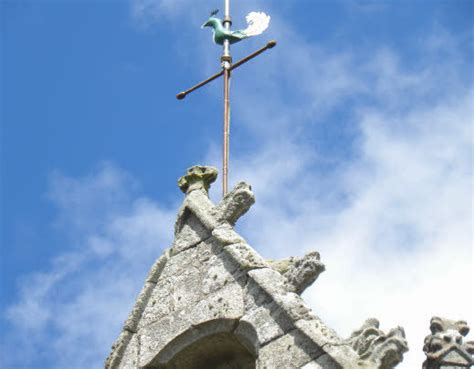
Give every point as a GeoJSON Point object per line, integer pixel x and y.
{"type": "Point", "coordinates": [383, 351]}
{"type": "Point", "coordinates": [444, 347]}
{"type": "Point", "coordinates": [300, 272]}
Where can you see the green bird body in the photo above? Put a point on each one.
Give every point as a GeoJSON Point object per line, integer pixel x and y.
{"type": "Point", "coordinates": [257, 23]}
{"type": "Point", "coordinates": [221, 34]}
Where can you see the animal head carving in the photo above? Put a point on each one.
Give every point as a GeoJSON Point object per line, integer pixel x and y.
{"type": "Point", "coordinates": [446, 336]}
{"type": "Point", "coordinates": [382, 351]}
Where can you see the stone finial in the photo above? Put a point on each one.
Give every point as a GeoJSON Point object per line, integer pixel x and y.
{"type": "Point", "coordinates": [444, 347]}
{"type": "Point", "coordinates": [382, 351]}
{"type": "Point", "coordinates": [196, 178]}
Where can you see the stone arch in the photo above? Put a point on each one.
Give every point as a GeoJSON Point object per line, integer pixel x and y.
{"type": "Point", "coordinates": [211, 345]}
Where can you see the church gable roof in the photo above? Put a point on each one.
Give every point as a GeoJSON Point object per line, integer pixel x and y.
{"type": "Point", "coordinates": [212, 282]}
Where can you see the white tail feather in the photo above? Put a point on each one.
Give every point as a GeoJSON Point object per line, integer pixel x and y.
{"type": "Point", "coordinates": [257, 23]}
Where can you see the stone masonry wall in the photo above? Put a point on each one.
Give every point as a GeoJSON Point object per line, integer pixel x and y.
{"type": "Point", "coordinates": [211, 282]}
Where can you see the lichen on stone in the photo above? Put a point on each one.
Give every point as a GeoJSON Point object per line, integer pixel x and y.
{"type": "Point", "coordinates": [197, 177]}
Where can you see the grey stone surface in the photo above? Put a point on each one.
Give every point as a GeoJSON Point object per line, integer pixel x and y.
{"type": "Point", "coordinates": [154, 337]}
{"type": "Point", "coordinates": [131, 354]}
{"type": "Point", "coordinates": [203, 208]}
{"type": "Point", "coordinates": [190, 234]}
{"type": "Point", "coordinates": [313, 365]}
{"type": "Point", "coordinates": [269, 280]}
{"type": "Point", "coordinates": [236, 203]}
{"type": "Point", "coordinates": [382, 351]}
{"type": "Point", "coordinates": [226, 235]}
{"type": "Point", "coordinates": [217, 351]}
{"type": "Point", "coordinates": [263, 323]}
{"type": "Point", "coordinates": [276, 285]}
{"type": "Point", "coordinates": [245, 256]}
{"type": "Point", "coordinates": [226, 303]}
{"type": "Point", "coordinates": [160, 304]}
{"type": "Point", "coordinates": [302, 272]}
{"type": "Point", "coordinates": [340, 357]}
{"type": "Point", "coordinates": [116, 355]}
{"type": "Point", "coordinates": [131, 323]}
{"type": "Point", "coordinates": [293, 350]}
{"type": "Point", "coordinates": [157, 267]}
{"type": "Point", "coordinates": [319, 332]}
{"type": "Point", "coordinates": [445, 346]}
{"type": "Point", "coordinates": [213, 299]}
{"type": "Point", "coordinates": [218, 274]}
{"type": "Point", "coordinates": [191, 336]}
{"type": "Point", "coordinates": [198, 177]}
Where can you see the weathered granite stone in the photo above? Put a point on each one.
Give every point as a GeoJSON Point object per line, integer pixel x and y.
{"type": "Point", "coordinates": [314, 365]}
{"type": "Point", "coordinates": [133, 319]}
{"type": "Point", "coordinates": [212, 301]}
{"type": "Point", "coordinates": [319, 332]}
{"type": "Point", "coordinates": [226, 303]}
{"type": "Point", "coordinates": [116, 356]}
{"type": "Point", "coordinates": [197, 178]}
{"type": "Point", "coordinates": [191, 337]}
{"type": "Point", "coordinates": [160, 304]}
{"type": "Point", "coordinates": [131, 354]}
{"type": "Point", "coordinates": [236, 203]}
{"type": "Point", "coordinates": [300, 272]}
{"type": "Point", "coordinates": [186, 288]}
{"type": "Point", "coordinates": [180, 262]}
{"type": "Point", "coordinates": [218, 274]}
{"type": "Point", "coordinates": [445, 346]}
{"type": "Point", "coordinates": [338, 357]}
{"type": "Point", "coordinates": [226, 235]}
{"type": "Point", "coordinates": [157, 268]}
{"type": "Point", "coordinates": [276, 286]}
{"type": "Point", "coordinates": [263, 323]}
{"type": "Point", "coordinates": [382, 351]}
{"type": "Point", "coordinates": [269, 280]}
{"type": "Point", "coordinates": [190, 234]}
{"type": "Point", "coordinates": [166, 295]}
{"type": "Point", "coordinates": [203, 208]}
{"type": "Point", "coordinates": [154, 337]}
{"type": "Point", "coordinates": [245, 256]}
{"type": "Point", "coordinates": [293, 350]}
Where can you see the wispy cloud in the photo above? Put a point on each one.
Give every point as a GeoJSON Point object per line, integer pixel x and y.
{"type": "Point", "coordinates": [389, 206]}
{"type": "Point", "coordinates": [113, 237]}
{"type": "Point", "coordinates": [394, 226]}
{"type": "Point", "coordinates": [392, 216]}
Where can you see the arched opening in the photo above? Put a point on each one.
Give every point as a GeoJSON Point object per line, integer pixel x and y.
{"type": "Point", "coordinates": [217, 351]}
{"type": "Point", "coordinates": [215, 344]}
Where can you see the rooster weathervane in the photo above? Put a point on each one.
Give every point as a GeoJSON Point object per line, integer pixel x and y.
{"type": "Point", "coordinates": [257, 22]}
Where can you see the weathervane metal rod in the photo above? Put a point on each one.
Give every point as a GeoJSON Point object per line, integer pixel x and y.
{"type": "Point", "coordinates": [226, 62]}
{"type": "Point", "coordinates": [183, 94]}
{"type": "Point", "coordinates": [257, 23]}
{"type": "Point", "coordinates": [269, 45]}
{"type": "Point", "coordinates": [225, 148]}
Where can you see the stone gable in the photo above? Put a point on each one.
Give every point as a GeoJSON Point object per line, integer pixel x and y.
{"type": "Point", "coordinates": [212, 302]}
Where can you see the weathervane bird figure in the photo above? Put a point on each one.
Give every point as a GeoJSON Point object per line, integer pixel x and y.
{"type": "Point", "coordinates": [257, 22]}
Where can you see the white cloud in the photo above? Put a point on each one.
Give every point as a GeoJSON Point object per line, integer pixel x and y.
{"type": "Point", "coordinates": [114, 236]}
{"type": "Point", "coordinates": [392, 220]}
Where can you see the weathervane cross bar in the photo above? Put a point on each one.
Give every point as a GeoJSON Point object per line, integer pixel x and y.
{"type": "Point", "coordinates": [257, 23]}
{"type": "Point", "coordinates": [233, 66]}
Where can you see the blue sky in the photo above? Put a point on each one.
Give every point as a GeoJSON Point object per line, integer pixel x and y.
{"type": "Point", "coordinates": [355, 133]}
